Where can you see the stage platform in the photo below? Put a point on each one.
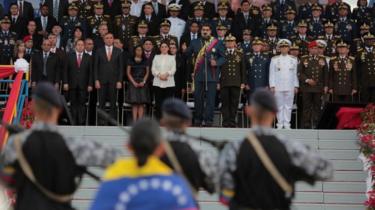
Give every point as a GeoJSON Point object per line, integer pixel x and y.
{"type": "Point", "coordinates": [344, 192]}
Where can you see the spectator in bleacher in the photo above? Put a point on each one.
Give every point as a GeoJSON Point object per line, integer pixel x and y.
{"type": "Point", "coordinates": [78, 80]}
{"type": "Point", "coordinates": [54, 160]}
{"type": "Point", "coordinates": [138, 93]}
{"type": "Point", "coordinates": [125, 25]}
{"type": "Point", "coordinates": [343, 84]}
{"type": "Point", "coordinates": [163, 69]}
{"type": "Point", "coordinates": [108, 73]}
{"type": "Point", "coordinates": [70, 22]}
{"type": "Point", "coordinates": [89, 46]}
{"type": "Point", "coordinates": [332, 10]}
{"type": "Point", "coordinates": [208, 8]}
{"type": "Point", "coordinates": [266, 21]}
{"type": "Point", "coordinates": [19, 50]}
{"type": "Point", "coordinates": [245, 45]}
{"type": "Point", "coordinates": [222, 18]}
{"type": "Point", "coordinates": [97, 20]}
{"type": "Point", "coordinates": [245, 19]}
{"type": "Point", "coordinates": [362, 13]}
{"type": "Point", "coordinates": [181, 74]}
{"type": "Point", "coordinates": [178, 25]}
{"type": "Point", "coordinates": [344, 26]}
{"type": "Point", "coordinates": [143, 181]}
{"type": "Point", "coordinates": [77, 35]}
{"type": "Point", "coordinates": [136, 7]}
{"type": "Point", "coordinates": [8, 40]}
{"type": "Point", "coordinates": [25, 9]}
{"type": "Point", "coordinates": [149, 16]}
{"type": "Point", "coordinates": [30, 50]}
{"type": "Point", "coordinates": [45, 66]}
{"type": "Point", "coordinates": [185, 8]}
{"type": "Point", "coordinates": [288, 27]}
{"type": "Point", "coordinates": [99, 40]}
{"type": "Point", "coordinates": [31, 31]}
{"type": "Point", "coordinates": [281, 6]}
{"type": "Point", "coordinates": [18, 23]}
{"type": "Point", "coordinates": [45, 22]}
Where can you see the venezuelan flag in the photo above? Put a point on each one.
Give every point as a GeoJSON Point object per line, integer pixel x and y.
{"type": "Point", "coordinates": [153, 186]}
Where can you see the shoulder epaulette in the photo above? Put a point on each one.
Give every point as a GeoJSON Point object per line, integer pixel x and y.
{"type": "Point", "coordinates": [215, 18]}
{"type": "Point", "coordinates": [107, 16]}
{"type": "Point", "coordinates": [65, 17]}
{"type": "Point", "coordinates": [118, 16]}
{"type": "Point", "coordinates": [239, 50]}
{"type": "Point", "coordinates": [333, 58]}
{"type": "Point", "coordinates": [230, 18]}
{"type": "Point", "coordinates": [351, 57]}
{"type": "Point", "coordinates": [305, 56]}
{"type": "Point", "coordinates": [90, 17]}
{"type": "Point", "coordinates": [322, 56]}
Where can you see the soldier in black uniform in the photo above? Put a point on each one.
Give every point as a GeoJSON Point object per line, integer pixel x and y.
{"type": "Point", "coordinates": [198, 159]}
{"type": "Point", "coordinates": [7, 41]}
{"type": "Point", "coordinates": [232, 81]}
{"type": "Point", "coordinates": [257, 66]}
{"type": "Point", "coordinates": [294, 50]}
{"type": "Point", "coordinates": [302, 39]}
{"type": "Point", "coordinates": [359, 43]}
{"type": "Point", "coordinates": [288, 27]}
{"type": "Point", "coordinates": [69, 23]}
{"type": "Point", "coordinates": [366, 64]}
{"type": "Point", "coordinates": [344, 26]}
{"type": "Point", "coordinates": [222, 19]}
{"type": "Point", "coordinates": [125, 25]}
{"type": "Point", "coordinates": [245, 45]}
{"type": "Point", "coordinates": [142, 31]}
{"type": "Point", "coordinates": [316, 23]}
{"type": "Point", "coordinates": [246, 183]}
{"type": "Point", "coordinates": [313, 75]}
{"type": "Point", "coordinates": [332, 11]}
{"type": "Point", "coordinates": [164, 35]}
{"type": "Point", "coordinates": [247, 18]}
{"type": "Point", "coordinates": [198, 17]}
{"type": "Point", "coordinates": [362, 14]}
{"type": "Point", "coordinates": [343, 84]}
{"type": "Point", "coordinates": [305, 10]}
{"type": "Point", "coordinates": [330, 38]}
{"type": "Point", "coordinates": [85, 8]}
{"type": "Point", "coordinates": [279, 8]}
{"type": "Point", "coordinates": [266, 21]}
{"type": "Point", "coordinates": [271, 40]}
{"type": "Point", "coordinates": [97, 19]}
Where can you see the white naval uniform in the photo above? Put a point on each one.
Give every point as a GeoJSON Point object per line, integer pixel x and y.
{"type": "Point", "coordinates": [177, 27]}
{"type": "Point", "coordinates": [283, 77]}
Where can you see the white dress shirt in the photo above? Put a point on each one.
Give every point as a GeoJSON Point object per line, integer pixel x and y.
{"type": "Point", "coordinates": [136, 8]}
{"type": "Point", "coordinates": [177, 27]}
{"type": "Point", "coordinates": [283, 73]}
{"type": "Point", "coordinates": [163, 64]}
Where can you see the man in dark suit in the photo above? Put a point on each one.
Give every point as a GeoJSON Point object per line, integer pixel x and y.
{"type": "Point", "coordinates": [45, 66]}
{"type": "Point", "coordinates": [209, 8]}
{"type": "Point", "coordinates": [17, 23]}
{"type": "Point", "coordinates": [58, 10]}
{"type": "Point", "coordinates": [185, 9]}
{"type": "Point", "coordinates": [190, 35]}
{"type": "Point", "coordinates": [45, 22]}
{"type": "Point", "coordinates": [78, 80]}
{"type": "Point", "coordinates": [153, 21]}
{"type": "Point", "coordinates": [108, 73]}
{"type": "Point", "coordinates": [246, 19]}
{"type": "Point", "coordinates": [26, 9]}
{"type": "Point", "coordinates": [159, 9]}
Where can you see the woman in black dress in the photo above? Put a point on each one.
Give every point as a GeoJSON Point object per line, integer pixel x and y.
{"type": "Point", "coordinates": [138, 93]}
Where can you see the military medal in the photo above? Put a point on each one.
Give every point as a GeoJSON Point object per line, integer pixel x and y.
{"type": "Point", "coordinates": [238, 59]}
{"type": "Point", "coordinates": [305, 63]}
{"type": "Point", "coordinates": [349, 66]}
{"type": "Point", "coordinates": [322, 62]}
{"type": "Point", "coordinates": [251, 61]}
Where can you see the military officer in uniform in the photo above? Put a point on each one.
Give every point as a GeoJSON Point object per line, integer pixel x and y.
{"type": "Point", "coordinates": [139, 39]}
{"type": "Point", "coordinates": [69, 23]}
{"type": "Point", "coordinates": [305, 10]}
{"type": "Point", "coordinates": [266, 21]}
{"type": "Point", "coordinates": [302, 39]}
{"type": "Point", "coordinates": [97, 19]}
{"type": "Point", "coordinates": [86, 8]}
{"type": "Point", "coordinates": [330, 38]}
{"type": "Point", "coordinates": [283, 81]}
{"type": "Point", "coordinates": [164, 35]}
{"type": "Point", "coordinates": [245, 45]}
{"type": "Point", "coordinates": [232, 81]}
{"type": "Point", "coordinates": [7, 41]}
{"type": "Point", "coordinates": [362, 13]}
{"type": "Point", "coordinates": [332, 10]}
{"type": "Point", "coordinates": [313, 77]}
{"type": "Point", "coordinates": [178, 25]}
{"type": "Point", "coordinates": [281, 6]}
{"type": "Point", "coordinates": [343, 84]}
{"type": "Point", "coordinates": [366, 64]}
{"type": "Point", "coordinates": [125, 24]}
{"type": "Point", "coordinates": [221, 32]}
{"type": "Point", "coordinates": [271, 40]}
{"type": "Point", "coordinates": [359, 42]}
{"type": "Point", "coordinates": [316, 23]}
{"type": "Point", "coordinates": [344, 26]}
{"type": "Point", "coordinates": [222, 18]}
{"type": "Point", "coordinates": [294, 51]}
{"type": "Point", "coordinates": [257, 66]}
{"type": "Point", "coordinates": [198, 17]}
{"type": "Point", "coordinates": [288, 27]}
{"type": "Point", "coordinates": [322, 46]}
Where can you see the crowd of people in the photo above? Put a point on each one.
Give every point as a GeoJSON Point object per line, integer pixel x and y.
{"type": "Point", "coordinates": [138, 53]}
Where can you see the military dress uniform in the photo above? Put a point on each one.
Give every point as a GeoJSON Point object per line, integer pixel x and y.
{"type": "Point", "coordinates": [332, 11]}
{"type": "Point", "coordinates": [288, 29]}
{"type": "Point", "coordinates": [366, 62]}
{"type": "Point", "coordinates": [342, 78]}
{"type": "Point", "coordinates": [68, 24]}
{"type": "Point", "coordinates": [362, 15]}
{"type": "Point", "coordinates": [231, 78]}
{"type": "Point", "coordinates": [224, 21]}
{"type": "Point", "coordinates": [279, 8]}
{"type": "Point", "coordinates": [330, 40]}
{"type": "Point", "coordinates": [257, 68]}
{"type": "Point", "coordinates": [271, 43]}
{"type": "Point", "coordinates": [86, 8]}
{"type": "Point", "coordinates": [125, 25]}
{"type": "Point", "coordinates": [96, 20]}
{"type": "Point", "coordinates": [178, 25]}
{"type": "Point", "coordinates": [312, 68]}
{"type": "Point", "coordinates": [302, 41]}
{"type": "Point", "coordinates": [165, 37]}
{"type": "Point", "coordinates": [316, 27]}
{"type": "Point", "coordinates": [7, 43]}
{"type": "Point", "coordinates": [305, 10]}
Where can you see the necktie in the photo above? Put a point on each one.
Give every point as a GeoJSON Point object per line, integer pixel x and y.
{"type": "Point", "coordinates": [56, 9]}
{"type": "Point", "coordinates": [21, 9]}
{"type": "Point", "coordinates": [109, 53]}
{"type": "Point", "coordinates": [13, 20]}
{"type": "Point", "coordinates": [45, 57]}
{"type": "Point", "coordinates": [79, 59]}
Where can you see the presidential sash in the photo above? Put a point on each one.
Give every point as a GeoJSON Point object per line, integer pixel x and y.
{"type": "Point", "coordinates": [207, 48]}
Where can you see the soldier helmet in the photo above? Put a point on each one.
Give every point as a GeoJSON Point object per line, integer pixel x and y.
{"type": "Point", "coordinates": [368, 36]}
{"type": "Point", "coordinates": [230, 38]}
{"type": "Point", "coordinates": [329, 24]}
{"type": "Point", "coordinates": [5, 20]}
{"type": "Point", "coordinates": [246, 32]}
{"type": "Point", "coordinates": [364, 26]}
{"type": "Point", "coordinates": [98, 5]}
{"type": "Point", "coordinates": [257, 41]}
{"type": "Point", "coordinates": [142, 24]}
{"type": "Point", "coordinates": [165, 22]}
{"type": "Point", "coordinates": [321, 43]}
{"type": "Point", "coordinates": [272, 27]}
{"type": "Point", "coordinates": [266, 7]}
{"type": "Point", "coordinates": [284, 43]}
{"type": "Point", "coordinates": [302, 23]}
{"type": "Point", "coordinates": [174, 7]}
{"type": "Point", "coordinates": [294, 46]}
{"type": "Point", "coordinates": [199, 6]}
{"type": "Point", "coordinates": [126, 4]}
{"type": "Point", "coordinates": [316, 7]}
{"type": "Point", "coordinates": [72, 6]}
{"type": "Point", "coordinates": [342, 44]}
{"type": "Point", "coordinates": [222, 6]}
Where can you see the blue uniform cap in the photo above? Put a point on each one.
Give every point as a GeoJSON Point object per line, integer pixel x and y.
{"type": "Point", "coordinates": [176, 107]}
{"type": "Point", "coordinates": [47, 92]}
{"type": "Point", "coordinates": [265, 99]}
